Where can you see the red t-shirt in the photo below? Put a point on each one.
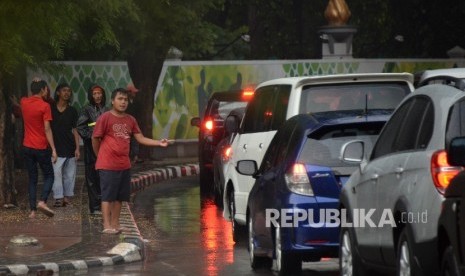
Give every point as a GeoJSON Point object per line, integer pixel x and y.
{"type": "Point", "coordinates": [35, 112]}
{"type": "Point", "coordinates": [115, 133]}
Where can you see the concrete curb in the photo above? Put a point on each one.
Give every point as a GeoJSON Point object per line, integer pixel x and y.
{"type": "Point", "coordinates": [141, 180]}
{"type": "Point", "coordinates": [132, 249]}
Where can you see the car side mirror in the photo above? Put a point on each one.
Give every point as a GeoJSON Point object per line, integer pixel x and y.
{"type": "Point", "coordinates": [246, 167]}
{"type": "Point", "coordinates": [231, 124]}
{"type": "Point", "coordinates": [353, 152]}
{"type": "Point", "coordinates": [195, 121]}
{"type": "Point", "coordinates": [456, 152]}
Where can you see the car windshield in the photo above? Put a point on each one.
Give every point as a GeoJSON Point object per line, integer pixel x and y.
{"type": "Point", "coordinates": [357, 96]}
{"type": "Point", "coordinates": [323, 147]}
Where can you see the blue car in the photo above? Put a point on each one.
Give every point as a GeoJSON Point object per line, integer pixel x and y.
{"type": "Point", "coordinates": [292, 212]}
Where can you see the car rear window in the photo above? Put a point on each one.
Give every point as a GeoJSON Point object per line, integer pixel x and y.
{"type": "Point", "coordinates": [357, 96]}
{"type": "Point", "coordinates": [456, 121]}
{"type": "Point", "coordinates": [267, 111]}
{"type": "Point", "coordinates": [323, 147]}
{"type": "Point", "coordinates": [221, 109]}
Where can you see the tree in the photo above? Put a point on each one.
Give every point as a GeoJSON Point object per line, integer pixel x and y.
{"type": "Point", "coordinates": [285, 29]}
{"type": "Point", "coordinates": [145, 43]}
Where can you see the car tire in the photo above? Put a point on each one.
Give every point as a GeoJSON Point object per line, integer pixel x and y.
{"type": "Point", "coordinates": [449, 264]}
{"type": "Point", "coordinates": [256, 262]}
{"type": "Point", "coordinates": [405, 261]}
{"type": "Point", "coordinates": [237, 230]}
{"type": "Point", "coordinates": [350, 262]}
{"type": "Point", "coordinates": [286, 263]}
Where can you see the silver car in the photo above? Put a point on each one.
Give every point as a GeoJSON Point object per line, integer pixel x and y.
{"type": "Point", "coordinates": [443, 76]}
{"type": "Point", "coordinates": [390, 206]}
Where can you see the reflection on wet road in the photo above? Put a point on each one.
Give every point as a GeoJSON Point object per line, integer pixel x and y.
{"type": "Point", "coordinates": [216, 238]}
{"type": "Point", "coordinates": [188, 236]}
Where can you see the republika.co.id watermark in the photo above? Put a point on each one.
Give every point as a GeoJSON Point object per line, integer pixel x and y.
{"type": "Point", "coordinates": [339, 218]}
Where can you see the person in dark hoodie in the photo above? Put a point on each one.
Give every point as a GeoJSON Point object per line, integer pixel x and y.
{"type": "Point", "coordinates": [85, 127]}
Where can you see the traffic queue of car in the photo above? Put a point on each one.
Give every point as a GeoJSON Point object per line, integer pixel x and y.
{"type": "Point", "coordinates": [354, 166]}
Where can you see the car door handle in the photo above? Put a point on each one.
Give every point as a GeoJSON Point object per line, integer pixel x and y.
{"type": "Point", "coordinates": [399, 170]}
{"type": "Point", "coordinates": [374, 177]}
{"type": "Point", "coordinates": [260, 145]}
{"type": "Point", "coordinates": [244, 146]}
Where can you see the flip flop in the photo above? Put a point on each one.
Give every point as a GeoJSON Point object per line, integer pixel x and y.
{"type": "Point", "coordinates": [110, 231]}
{"type": "Point", "coordinates": [45, 210]}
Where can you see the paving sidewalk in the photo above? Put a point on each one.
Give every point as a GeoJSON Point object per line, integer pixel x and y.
{"type": "Point", "coordinates": [72, 239]}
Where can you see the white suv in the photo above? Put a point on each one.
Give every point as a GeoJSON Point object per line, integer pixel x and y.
{"type": "Point", "coordinates": [277, 100]}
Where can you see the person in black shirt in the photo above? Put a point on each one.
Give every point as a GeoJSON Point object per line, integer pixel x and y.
{"type": "Point", "coordinates": [85, 127]}
{"type": "Point", "coordinates": [67, 145]}
{"type": "Point", "coordinates": [131, 110]}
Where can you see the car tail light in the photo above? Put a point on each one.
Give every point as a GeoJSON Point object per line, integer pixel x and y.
{"type": "Point", "coordinates": [442, 171]}
{"type": "Point", "coordinates": [226, 153]}
{"type": "Point", "coordinates": [208, 124]}
{"type": "Point", "coordinates": [247, 93]}
{"type": "Point", "coordinates": [297, 180]}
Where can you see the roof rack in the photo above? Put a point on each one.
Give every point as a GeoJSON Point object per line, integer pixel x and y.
{"type": "Point", "coordinates": [448, 80]}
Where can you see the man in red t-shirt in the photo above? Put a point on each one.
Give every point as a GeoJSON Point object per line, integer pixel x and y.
{"type": "Point", "coordinates": [110, 141]}
{"type": "Point", "coordinates": [37, 139]}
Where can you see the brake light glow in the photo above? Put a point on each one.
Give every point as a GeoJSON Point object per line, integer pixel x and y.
{"type": "Point", "coordinates": [247, 93]}
{"type": "Point", "coordinates": [441, 171]}
{"type": "Point", "coordinates": [297, 180]}
{"type": "Point", "coordinates": [208, 124]}
{"type": "Point", "coordinates": [227, 154]}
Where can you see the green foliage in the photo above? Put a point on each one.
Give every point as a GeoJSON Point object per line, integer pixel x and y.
{"type": "Point", "coordinates": [35, 32]}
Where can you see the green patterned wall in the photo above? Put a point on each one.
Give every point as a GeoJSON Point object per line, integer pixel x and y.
{"type": "Point", "coordinates": [319, 68]}
{"type": "Point", "coordinates": [412, 67]}
{"type": "Point", "coordinates": [80, 76]}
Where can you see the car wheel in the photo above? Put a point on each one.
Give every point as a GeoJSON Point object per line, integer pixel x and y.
{"type": "Point", "coordinates": [285, 263]}
{"type": "Point", "coordinates": [349, 261]}
{"type": "Point", "coordinates": [405, 262]}
{"type": "Point", "coordinates": [236, 229]}
{"type": "Point", "coordinates": [449, 264]}
{"type": "Point", "coordinates": [260, 261]}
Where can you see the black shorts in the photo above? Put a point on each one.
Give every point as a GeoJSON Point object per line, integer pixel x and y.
{"type": "Point", "coordinates": [115, 185]}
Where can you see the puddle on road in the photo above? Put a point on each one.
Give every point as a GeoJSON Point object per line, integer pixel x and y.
{"type": "Point", "coordinates": [183, 230]}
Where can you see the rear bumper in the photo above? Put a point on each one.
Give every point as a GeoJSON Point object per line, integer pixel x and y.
{"type": "Point", "coordinates": [318, 235]}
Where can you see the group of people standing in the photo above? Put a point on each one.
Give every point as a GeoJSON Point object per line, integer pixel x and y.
{"type": "Point", "coordinates": [51, 140]}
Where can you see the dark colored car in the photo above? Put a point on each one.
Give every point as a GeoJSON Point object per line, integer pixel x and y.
{"type": "Point", "coordinates": [211, 129]}
{"type": "Point", "coordinates": [451, 230]}
{"type": "Point", "coordinates": [302, 172]}
{"type": "Point", "coordinates": [222, 154]}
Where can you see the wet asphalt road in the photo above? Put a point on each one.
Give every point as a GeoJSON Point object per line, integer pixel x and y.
{"type": "Point", "coordinates": [188, 236]}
